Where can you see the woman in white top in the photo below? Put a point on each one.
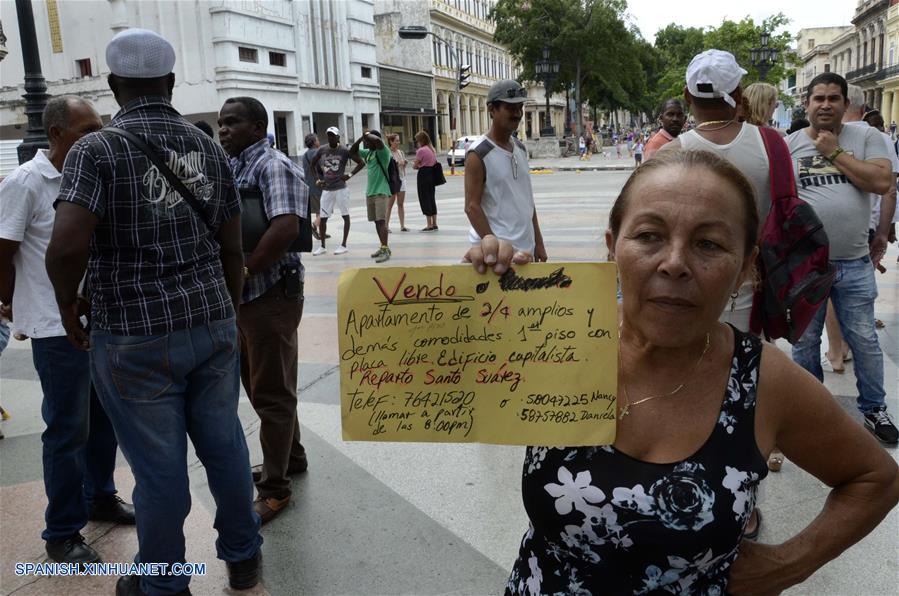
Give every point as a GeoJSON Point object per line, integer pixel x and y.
{"type": "Point", "coordinates": [399, 198]}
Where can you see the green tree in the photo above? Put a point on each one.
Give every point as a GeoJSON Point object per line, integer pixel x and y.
{"type": "Point", "coordinates": [596, 51]}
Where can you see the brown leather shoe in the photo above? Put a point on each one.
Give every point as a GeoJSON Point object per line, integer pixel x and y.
{"type": "Point", "coordinates": [269, 508]}
{"type": "Point", "coordinates": [256, 470]}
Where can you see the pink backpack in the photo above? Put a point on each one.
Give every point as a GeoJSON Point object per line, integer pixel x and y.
{"type": "Point", "coordinates": [795, 274]}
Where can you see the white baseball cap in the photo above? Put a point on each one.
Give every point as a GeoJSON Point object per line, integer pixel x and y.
{"type": "Point", "coordinates": [333, 130]}
{"type": "Point", "coordinates": [140, 54]}
{"type": "Point", "coordinates": [714, 74]}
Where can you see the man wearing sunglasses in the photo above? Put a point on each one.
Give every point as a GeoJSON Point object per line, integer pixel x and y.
{"type": "Point", "coordinates": [499, 201]}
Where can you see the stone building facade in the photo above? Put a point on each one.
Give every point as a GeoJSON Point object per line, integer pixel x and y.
{"type": "Point", "coordinates": [312, 63]}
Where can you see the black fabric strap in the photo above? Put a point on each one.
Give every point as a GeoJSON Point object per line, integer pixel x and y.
{"type": "Point", "coordinates": [164, 170]}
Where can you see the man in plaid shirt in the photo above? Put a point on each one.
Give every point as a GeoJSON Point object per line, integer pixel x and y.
{"type": "Point", "coordinates": [165, 284]}
{"type": "Point", "coordinates": [272, 304]}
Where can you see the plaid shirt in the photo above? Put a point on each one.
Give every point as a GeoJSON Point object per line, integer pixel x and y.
{"type": "Point", "coordinates": [154, 265]}
{"type": "Point", "coordinates": [283, 192]}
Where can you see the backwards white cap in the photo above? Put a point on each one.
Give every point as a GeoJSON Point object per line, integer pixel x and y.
{"type": "Point", "coordinates": [140, 54]}
{"type": "Point", "coordinates": [713, 74]}
{"type": "Point", "coordinates": [333, 130]}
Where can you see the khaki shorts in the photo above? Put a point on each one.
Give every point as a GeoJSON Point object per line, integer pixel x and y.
{"type": "Point", "coordinates": [377, 207]}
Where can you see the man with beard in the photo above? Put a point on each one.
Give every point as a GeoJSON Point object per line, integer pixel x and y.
{"type": "Point", "coordinates": [672, 119]}
{"type": "Point", "coordinates": [499, 201]}
{"type": "Point", "coordinates": [837, 167]}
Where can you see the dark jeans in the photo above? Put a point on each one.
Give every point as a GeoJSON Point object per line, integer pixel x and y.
{"type": "Point", "coordinates": [79, 444]}
{"type": "Point", "coordinates": [268, 369]}
{"type": "Point", "coordinates": [159, 390]}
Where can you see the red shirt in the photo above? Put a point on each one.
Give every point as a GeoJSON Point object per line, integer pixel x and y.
{"type": "Point", "coordinates": [656, 142]}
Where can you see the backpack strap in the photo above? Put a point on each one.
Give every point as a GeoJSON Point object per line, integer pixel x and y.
{"type": "Point", "coordinates": [170, 176]}
{"type": "Point", "coordinates": [783, 181]}
{"type": "Point", "coordinates": [378, 161]}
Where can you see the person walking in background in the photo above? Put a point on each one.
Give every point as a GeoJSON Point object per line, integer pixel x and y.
{"type": "Point", "coordinates": [329, 168]}
{"type": "Point", "coordinates": [377, 191]}
{"type": "Point", "coordinates": [425, 160]}
{"type": "Point", "coordinates": [638, 150]}
{"type": "Point", "coordinates": [672, 119]}
{"type": "Point", "coordinates": [311, 175]}
{"type": "Point", "coordinates": [759, 103]}
{"type": "Point", "coordinates": [399, 198]}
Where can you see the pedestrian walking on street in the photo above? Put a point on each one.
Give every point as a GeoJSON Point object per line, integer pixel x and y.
{"type": "Point", "coordinates": [425, 162]}
{"type": "Point", "coordinates": [376, 156]}
{"type": "Point", "coordinates": [499, 200]}
{"type": "Point", "coordinates": [399, 198]}
{"type": "Point", "coordinates": [331, 161]}
{"type": "Point", "coordinates": [312, 174]}
{"type": "Point", "coordinates": [165, 275]}
{"type": "Point", "coordinates": [638, 151]}
{"type": "Point", "coordinates": [79, 444]}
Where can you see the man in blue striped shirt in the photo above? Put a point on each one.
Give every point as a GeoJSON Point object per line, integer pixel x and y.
{"type": "Point", "coordinates": [272, 304]}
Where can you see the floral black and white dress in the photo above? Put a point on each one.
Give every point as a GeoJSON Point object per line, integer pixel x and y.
{"type": "Point", "coordinates": [603, 522]}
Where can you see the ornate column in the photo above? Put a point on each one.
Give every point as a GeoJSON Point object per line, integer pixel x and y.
{"type": "Point", "coordinates": [887, 108]}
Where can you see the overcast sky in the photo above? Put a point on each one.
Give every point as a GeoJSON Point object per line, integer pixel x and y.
{"type": "Point", "coordinates": [652, 15]}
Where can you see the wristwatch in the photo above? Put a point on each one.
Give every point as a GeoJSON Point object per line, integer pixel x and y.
{"type": "Point", "coordinates": [836, 153]}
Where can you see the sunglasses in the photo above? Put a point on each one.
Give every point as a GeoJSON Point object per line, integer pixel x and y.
{"type": "Point", "coordinates": [513, 93]}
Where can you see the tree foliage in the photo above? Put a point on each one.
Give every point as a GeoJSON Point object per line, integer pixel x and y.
{"type": "Point", "coordinates": [598, 54]}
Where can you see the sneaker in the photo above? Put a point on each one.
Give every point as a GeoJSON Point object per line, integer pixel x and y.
{"type": "Point", "coordinates": [340, 250]}
{"type": "Point", "coordinates": [384, 256]}
{"type": "Point", "coordinates": [377, 253]}
{"type": "Point", "coordinates": [880, 425]}
{"type": "Point", "coordinates": [319, 251]}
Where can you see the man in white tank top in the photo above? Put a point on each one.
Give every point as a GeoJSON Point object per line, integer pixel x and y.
{"type": "Point", "coordinates": [713, 93]}
{"type": "Point", "coordinates": [499, 201]}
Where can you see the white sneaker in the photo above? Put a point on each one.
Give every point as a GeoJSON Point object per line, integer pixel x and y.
{"type": "Point", "coordinates": [340, 250]}
{"type": "Point", "coordinates": [319, 251]}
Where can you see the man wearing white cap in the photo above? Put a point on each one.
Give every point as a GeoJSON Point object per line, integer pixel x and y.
{"type": "Point", "coordinates": [160, 239]}
{"type": "Point", "coordinates": [331, 161]}
{"type": "Point", "coordinates": [713, 93]}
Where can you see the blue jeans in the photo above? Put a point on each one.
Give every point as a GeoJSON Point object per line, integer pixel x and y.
{"type": "Point", "coordinates": [79, 444]}
{"type": "Point", "coordinates": [853, 293]}
{"type": "Point", "coordinates": [158, 390]}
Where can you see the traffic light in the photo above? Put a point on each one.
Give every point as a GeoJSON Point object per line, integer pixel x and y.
{"type": "Point", "coordinates": [464, 76]}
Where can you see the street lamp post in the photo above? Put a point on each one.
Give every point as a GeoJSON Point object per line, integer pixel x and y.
{"type": "Point", "coordinates": [547, 70]}
{"type": "Point", "coordinates": [420, 32]}
{"type": "Point", "coordinates": [763, 57]}
{"type": "Point", "coordinates": [36, 95]}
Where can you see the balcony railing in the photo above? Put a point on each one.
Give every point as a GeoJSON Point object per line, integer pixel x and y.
{"type": "Point", "coordinates": [888, 73]}
{"type": "Point", "coordinates": [861, 72]}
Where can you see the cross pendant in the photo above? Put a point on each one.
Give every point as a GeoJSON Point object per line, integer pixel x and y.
{"type": "Point", "coordinates": [624, 412]}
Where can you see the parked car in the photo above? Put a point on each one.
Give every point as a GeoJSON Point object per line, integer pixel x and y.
{"type": "Point", "coordinates": [457, 153]}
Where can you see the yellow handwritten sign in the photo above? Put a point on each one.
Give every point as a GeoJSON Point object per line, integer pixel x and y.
{"type": "Point", "coordinates": [443, 354]}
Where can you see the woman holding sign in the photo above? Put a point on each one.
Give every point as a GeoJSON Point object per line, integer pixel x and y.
{"type": "Point", "coordinates": [700, 407]}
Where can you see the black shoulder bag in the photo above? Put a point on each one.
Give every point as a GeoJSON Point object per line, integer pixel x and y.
{"type": "Point", "coordinates": [173, 180]}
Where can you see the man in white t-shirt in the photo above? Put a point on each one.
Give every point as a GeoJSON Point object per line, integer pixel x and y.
{"type": "Point", "coordinates": [837, 168]}
{"type": "Point", "coordinates": [79, 445]}
{"type": "Point", "coordinates": [499, 200]}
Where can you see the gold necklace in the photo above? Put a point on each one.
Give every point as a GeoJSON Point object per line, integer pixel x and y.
{"type": "Point", "coordinates": [723, 124]}
{"type": "Point", "coordinates": [628, 403]}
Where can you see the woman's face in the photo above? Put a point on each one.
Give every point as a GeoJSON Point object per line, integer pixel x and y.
{"type": "Point", "coordinates": [771, 107]}
{"type": "Point", "coordinates": [679, 253]}
{"type": "Point", "coordinates": [394, 143]}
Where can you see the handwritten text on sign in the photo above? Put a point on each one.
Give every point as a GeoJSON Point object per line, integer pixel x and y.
{"type": "Point", "coordinates": [443, 354]}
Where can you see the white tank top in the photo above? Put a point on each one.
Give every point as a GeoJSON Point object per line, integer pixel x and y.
{"type": "Point", "coordinates": [507, 200]}
{"type": "Point", "coordinates": [747, 153]}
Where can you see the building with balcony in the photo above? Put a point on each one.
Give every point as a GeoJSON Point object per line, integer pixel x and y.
{"type": "Point", "coordinates": [814, 48]}
{"type": "Point", "coordinates": [870, 28]}
{"type": "Point", "coordinates": [310, 62]}
{"type": "Point", "coordinates": [889, 77]}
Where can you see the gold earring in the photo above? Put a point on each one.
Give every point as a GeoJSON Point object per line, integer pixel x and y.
{"type": "Point", "coordinates": [733, 301]}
